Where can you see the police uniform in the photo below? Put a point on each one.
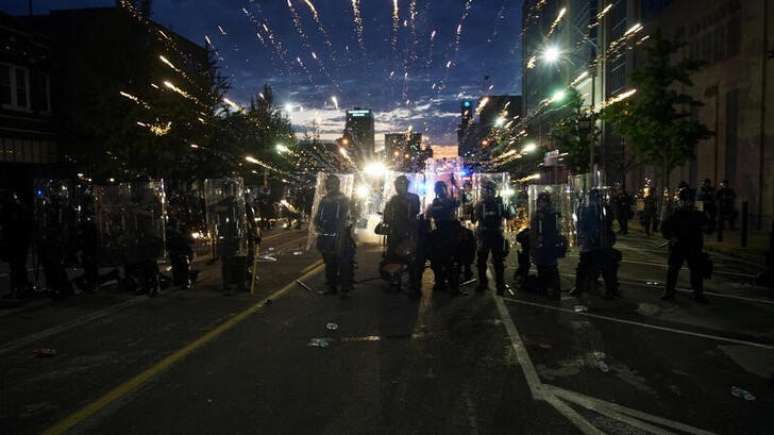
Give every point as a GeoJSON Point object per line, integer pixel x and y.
{"type": "Point", "coordinates": [400, 214]}
{"type": "Point", "coordinates": [544, 242]}
{"type": "Point", "coordinates": [648, 214]}
{"type": "Point", "coordinates": [179, 246]}
{"type": "Point", "coordinates": [335, 242]}
{"type": "Point", "coordinates": [684, 229]}
{"type": "Point", "coordinates": [443, 211]}
{"type": "Point", "coordinates": [489, 214]}
{"type": "Point", "coordinates": [597, 256]}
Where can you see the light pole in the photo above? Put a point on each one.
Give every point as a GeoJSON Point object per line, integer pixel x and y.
{"type": "Point", "coordinates": [552, 55]}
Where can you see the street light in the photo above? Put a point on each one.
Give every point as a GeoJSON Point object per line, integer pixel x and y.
{"type": "Point", "coordinates": [530, 147]}
{"type": "Point", "coordinates": [558, 96]}
{"type": "Point", "coordinates": [375, 169]}
{"type": "Point", "coordinates": [551, 55]}
{"type": "Point", "coordinates": [281, 148]}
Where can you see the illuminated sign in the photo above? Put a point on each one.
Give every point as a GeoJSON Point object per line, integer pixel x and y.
{"type": "Point", "coordinates": [359, 113]}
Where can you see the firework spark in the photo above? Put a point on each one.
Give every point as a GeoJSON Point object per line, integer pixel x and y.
{"type": "Point", "coordinates": [316, 18]}
{"type": "Point", "coordinates": [358, 19]}
{"type": "Point", "coordinates": [395, 24]}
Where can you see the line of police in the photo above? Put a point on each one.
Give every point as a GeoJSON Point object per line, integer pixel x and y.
{"type": "Point", "coordinates": [438, 236]}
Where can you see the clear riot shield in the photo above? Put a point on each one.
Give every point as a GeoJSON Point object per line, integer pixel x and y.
{"type": "Point", "coordinates": [561, 200]}
{"type": "Point", "coordinates": [347, 187]}
{"type": "Point", "coordinates": [58, 205]}
{"type": "Point", "coordinates": [224, 203]}
{"type": "Point", "coordinates": [131, 221]}
{"type": "Point", "coordinates": [501, 179]}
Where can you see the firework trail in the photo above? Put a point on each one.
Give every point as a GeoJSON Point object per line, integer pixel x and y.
{"type": "Point", "coordinates": [358, 19]}
{"type": "Point", "coordinates": [458, 34]}
{"type": "Point", "coordinates": [395, 24]}
{"type": "Point", "coordinates": [307, 44]}
{"type": "Point", "coordinates": [413, 27]}
{"type": "Point", "coordinates": [316, 18]}
{"type": "Point", "coordinates": [431, 50]}
{"type": "Point", "coordinates": [299, 27]}
{"type": "Point", "coordinates": [253, 20]}
{"type": "Point", "coordinates": [498, 22]}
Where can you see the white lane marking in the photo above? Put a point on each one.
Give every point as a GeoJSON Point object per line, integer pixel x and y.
{"type": "Point", "coordinates": [581, 423]}
{"type": "Point", "coordinates": [533, 381]}
{"type": "Point", "coordinates": [596, 404]}
{"type": "Point", "coordinates": [471, 408]}
{"type": "Point", "coordinates": [645, 325]}
{"type": "Point", "coordinates": [687, 290]}
{"type": "Point", "coordinates": [24, 341]}
{"type": "Point", "coordinates": [530, 374]}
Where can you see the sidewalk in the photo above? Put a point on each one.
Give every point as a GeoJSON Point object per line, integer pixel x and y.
{"type": "Point", "coordinates": [757, 245]}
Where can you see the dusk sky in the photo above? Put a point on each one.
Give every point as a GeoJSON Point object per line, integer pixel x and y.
{"type": "Point", "coordinates": [313, 50]}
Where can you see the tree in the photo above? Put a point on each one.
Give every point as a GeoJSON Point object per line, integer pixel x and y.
{"type": "Point", "coordinates": [657, 122]}
{"type": "Point", "coordinates": [576, 133]}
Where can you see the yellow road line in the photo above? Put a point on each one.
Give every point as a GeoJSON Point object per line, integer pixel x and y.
{"type": "Point", "coordinates": [133, 384]}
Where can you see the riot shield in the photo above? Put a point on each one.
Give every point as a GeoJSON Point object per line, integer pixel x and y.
{"type": "Point", "coordinates": [501, 179]}
{"type": "Point", "coordinates": [561, 200]}
{"type": "Point", "coordinates": [224, 202]}
{"type": "Point", "coordinates": [347, 187]}
{"type": "Point", "coordinates": [131, 221]}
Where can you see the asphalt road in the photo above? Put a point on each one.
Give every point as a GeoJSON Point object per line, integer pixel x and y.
{"type": "Point", "coordinates": [288, 360]}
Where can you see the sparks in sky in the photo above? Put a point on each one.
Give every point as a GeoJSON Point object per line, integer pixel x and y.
{"type": "Point", "coordinates": [358, 19]}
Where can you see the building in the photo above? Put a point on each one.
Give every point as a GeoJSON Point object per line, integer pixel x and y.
{"type": "Point", "coordinates": [402, 151]}
{"type": "Point", "coordinates": [479, 118]}
{"type": "Point", "coordinates": [27, 136]}
{"type": "Point", "coordinates": [562, 40]}
{"type": "Point", "coordinates": [98, 57]}
{"type": "Point", "coordinates": [360, 128]}
{"type": "Point", "coordinates": [734, 39]}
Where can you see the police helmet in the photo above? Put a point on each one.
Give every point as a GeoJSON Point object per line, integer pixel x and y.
{"type": "Point", "coordinates": [544, 197]}
{"type": "Point", "coordinates": [401, 180]}
{"type": "Point", "coordinates": [332, 183]}
{"type": "Point", "coordinates": [489, 186]}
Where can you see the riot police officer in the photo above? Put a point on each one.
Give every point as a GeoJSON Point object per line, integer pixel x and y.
{"type": "Point", "coordinates": [708, 196]}
{"type": "Point", "coordinates": [545, 244]}
{"type": "Point", "coordinates": [229, 233]}
{"type": "Point", "coordinates": [335, 242]}
{"type": "Point", "coordinates": [180, 248]}
{"type": "Point", "coordinates": [15, 238]}
{"type": "Point", "coordinates": [443, 259]}
{"type": "Point", "coordinates": [401, 215]}
{"type": "Point", "coordinates": [622, 203]}
{"type": "Point", "coordinates": [649, 211]}
{"type": "Point", "coordinates": [489, 213]}
{"type": "Point", "coordinates": [684, 230]}
{"type": "Point", "coordinates": [52, 238]}
{"type": "Point", "coordinates": [595, 240]}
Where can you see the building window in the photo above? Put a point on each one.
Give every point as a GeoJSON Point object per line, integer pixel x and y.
{"type": "Point", "coordinates": [6, 96]}
{"type": "Point", "coordinates": [41, 91]}
{"type": "Point", "coordinates": [22, 88]}
{"type": "Point", "coordinates": [14, 87]}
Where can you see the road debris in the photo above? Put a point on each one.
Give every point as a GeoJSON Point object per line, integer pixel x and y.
{"type": "Point", "coordinates": [319, 342]}
{"type": "Point", "coordinates": [742, 394]}
{"type": "Point", "coordinates": [44, 352]}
